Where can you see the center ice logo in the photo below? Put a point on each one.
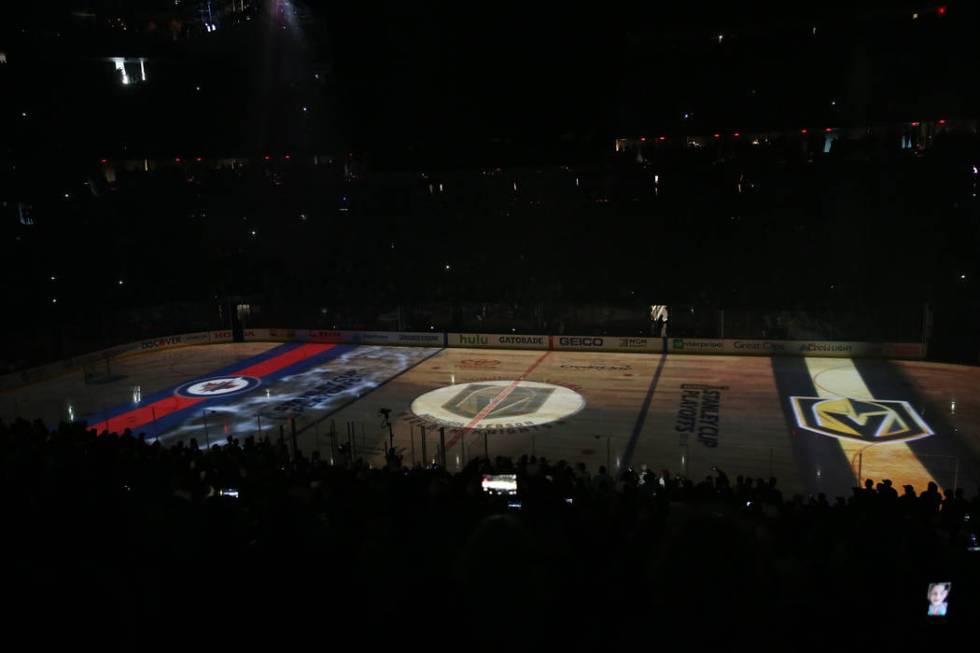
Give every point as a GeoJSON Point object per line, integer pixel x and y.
{"type": "Point", "coordinates": [218, 387]}
{"type": "Point", "coordinates": [497, 405]}
{"type": "Point", "coordinates": [478, 397]}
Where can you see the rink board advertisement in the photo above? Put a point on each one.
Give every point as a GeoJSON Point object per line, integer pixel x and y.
{"type": "Point", "coordinates": [840, 349]}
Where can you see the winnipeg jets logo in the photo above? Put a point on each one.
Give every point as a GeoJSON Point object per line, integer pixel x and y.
{"type": "Point", "coordinates": [218, 387]}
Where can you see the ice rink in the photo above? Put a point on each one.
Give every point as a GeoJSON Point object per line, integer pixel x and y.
{"type": "Point", "coordinates": [817, 424]}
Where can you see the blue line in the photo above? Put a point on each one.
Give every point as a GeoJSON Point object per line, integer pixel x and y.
{"type": "Point", "coordinates": [631, 445]}
{"type": "Point", "coordinates": [115, 411]}
{"type": "Point", "coordinates": [171, 421]}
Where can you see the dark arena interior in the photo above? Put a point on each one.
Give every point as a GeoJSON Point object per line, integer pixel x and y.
{"type": "Point", "coordinates": [489, 326]}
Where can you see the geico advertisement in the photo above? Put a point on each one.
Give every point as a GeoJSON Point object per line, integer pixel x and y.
{"type": "Point", "coordinates": [606, 343]}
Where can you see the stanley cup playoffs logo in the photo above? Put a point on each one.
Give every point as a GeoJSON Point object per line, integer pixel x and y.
{"type": "Point", "coordinates": [863, 420]}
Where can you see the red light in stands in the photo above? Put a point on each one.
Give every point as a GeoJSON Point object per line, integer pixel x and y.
{"type": "Point", "coordinates": [662, 138]}
{"type": "Point", "coordinates": [287, 157]}
{"type": "Point", "coordinates": [941, 10]}
{"type": "Point", "coordinates": [942, 121]}
{"type": "Point", "coordinates": [717, 135]}
{"type": "Point", "coordinates": [643, 139]}
{"type": "Point", "coordinates": [737, 134]}
{"type": "Point", "coordinates": [103, 161]}
{"type": "Point", "coordinates": [828, 129]}
{"type": "Point", "coordinates": [267, 157]}
{"type": "Point", "coordinates": [803, 131]}
{"type": "Point", "coordinates": [199, 158]}
{"type": "Point", "coordinates": [177, 159]}
{"type": "Point", "coordinates": [915, 124]}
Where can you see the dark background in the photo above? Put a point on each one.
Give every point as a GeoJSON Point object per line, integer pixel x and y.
{"type": "Point", "coordinates": [322, 163]}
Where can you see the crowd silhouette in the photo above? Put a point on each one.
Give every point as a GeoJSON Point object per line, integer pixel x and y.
{"type": "Point", "coordinates": [120, 537]}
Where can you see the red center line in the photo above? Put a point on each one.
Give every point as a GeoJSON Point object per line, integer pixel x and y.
{"type": "Point", "coordinates": [503, 394]}
{"type": "Point", "coordinates": [291, 357]}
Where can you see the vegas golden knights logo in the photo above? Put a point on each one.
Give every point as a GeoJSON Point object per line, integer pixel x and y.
{"type": "Point", "coordinates": [473, 398]}
{"type": "Point", "coordinates": [864, 420]}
